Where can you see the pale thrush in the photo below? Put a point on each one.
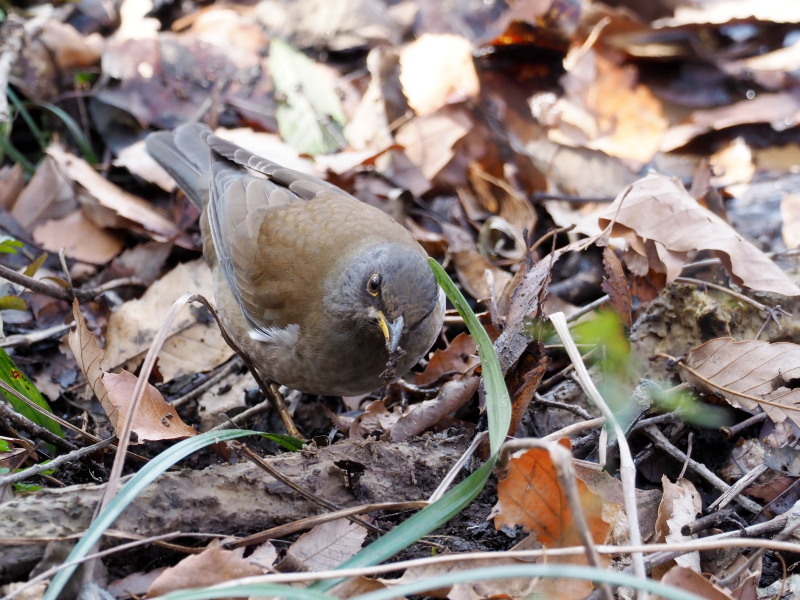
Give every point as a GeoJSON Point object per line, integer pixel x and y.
{"type": "Point", "coordinates": [319, 290]}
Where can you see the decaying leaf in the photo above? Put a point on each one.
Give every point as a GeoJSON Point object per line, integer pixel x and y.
{"type": "Point", "coordinates": [194, 345]}
{"type": "Point", "coordinates": [679, 506]}
{"type": "Point", "coordinates": [530, 496]}
{"type": "Point", "coordinates": [326, 546]}
{"type": "Point", "coordinates": [155, 419]}
{"type": "Point", "coordinates": [750, 375]}
{"type": "Point", "coordinates": [213, 565]}
{"type": "Point", "coordinates": [663, 224]}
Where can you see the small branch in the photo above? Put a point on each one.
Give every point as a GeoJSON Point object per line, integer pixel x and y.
{"type": "Point", "coordinates": [55, 463]}
{"type": "Point", "coordinates": [660, 440]}
{"type": "Point", "coordinates": [26, 339]}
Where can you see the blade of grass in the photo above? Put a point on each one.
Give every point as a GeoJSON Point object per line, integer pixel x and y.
{"type": "Point", "coordinates": [130, 491]}
{"type": "Point", "coordinates": [41, 137]}
{"type": "Point", "coordinates": [75, 131]}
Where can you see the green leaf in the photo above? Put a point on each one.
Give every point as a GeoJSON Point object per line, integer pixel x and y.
{"type": "Point", "coordinates": [292, 444]}
{"type": "Point", "coordinates": [14, 302]}
{"type": "Point", "coordinates": [310, 115]}
{"type": "Point", "coordinates": [9, 245]}
{"type": "Point", "coordinates": [17, 380]}
{"type": "Point", "coordinates": [5, 446]}
{"type": "Point", "coordinates": [32, 268]}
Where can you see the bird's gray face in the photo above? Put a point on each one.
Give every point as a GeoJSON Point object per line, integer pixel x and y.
{"type": "Point", "coordinates": [386, 292]}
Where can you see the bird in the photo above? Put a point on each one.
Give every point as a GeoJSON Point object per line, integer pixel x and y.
{"type": "Point", "coordinates": [323, 293]}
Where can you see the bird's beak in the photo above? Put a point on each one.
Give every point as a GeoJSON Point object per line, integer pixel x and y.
{"type": "Point", "coordinates": [392, 330]}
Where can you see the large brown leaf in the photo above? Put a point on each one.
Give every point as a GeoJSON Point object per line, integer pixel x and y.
{"type": "Point", "coordinates": [663, 224]}
{"type": "Point", "coordinates": [749, 375]}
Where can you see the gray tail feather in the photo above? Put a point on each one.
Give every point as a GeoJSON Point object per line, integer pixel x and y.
{"type": "Point", "coordinates": [185, 155]}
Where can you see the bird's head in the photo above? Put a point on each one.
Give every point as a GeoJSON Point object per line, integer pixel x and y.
{"type": "Point", "coordinates": [387, 290]}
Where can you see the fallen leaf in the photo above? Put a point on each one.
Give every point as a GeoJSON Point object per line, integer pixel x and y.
{"type": "Point", "coordinates": [80, 238]}
{"type": "Point", "coordinates": [124, 207]}
{"type": "Point", "coordinates": [325, 547]}
{"type": "Point", "coordinates": [679, 506]}
{"type": "Point", "coordinates": [662, 223]}
{"type": "Point", "coordinates": [155, 419]}
{"type": "Point", "coordinates": [437, 69]}
{"type": "Point", "coordinates": [750, 375]}
{"type": "Point", "coordinates": [193, 345]}
{"type": "Point", "coordinates": [695, 583]}
{"type": "Point", "coordinates": [616, 286]}
{"type": "Point", "coordinates": [460, 357]}
{"type": "Point", "coordinates": [213, 565]}
{"type": "Point", "coordinates": [530, 495]}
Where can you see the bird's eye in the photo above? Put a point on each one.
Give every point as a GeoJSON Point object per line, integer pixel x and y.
{"type": "Point", "coordinates": [374, 285]}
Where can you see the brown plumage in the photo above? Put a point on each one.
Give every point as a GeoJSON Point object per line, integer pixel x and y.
{"type": "Point", "coordinates": [317, 288]}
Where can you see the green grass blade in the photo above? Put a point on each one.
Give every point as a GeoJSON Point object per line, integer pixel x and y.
{"type": "Point", "coordinates": [498, 402]}
{"type": "Point", "coordinates": [75, 131]}
{"type": "Point", "coordinates": [10, 373]}
{"type": "Point", "coordinates": [130, 491]}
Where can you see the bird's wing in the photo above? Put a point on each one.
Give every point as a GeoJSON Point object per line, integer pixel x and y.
{"type": "Point", "coordinates": [185, 155]}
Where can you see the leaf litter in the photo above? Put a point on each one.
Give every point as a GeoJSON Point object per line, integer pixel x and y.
{"type": "Point", "coordinates": [506, 169]}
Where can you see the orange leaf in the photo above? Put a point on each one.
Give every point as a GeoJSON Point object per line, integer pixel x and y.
{"type": "Point", "coordinates": [530, 495]}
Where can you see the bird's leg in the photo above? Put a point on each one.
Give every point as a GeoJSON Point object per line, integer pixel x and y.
{"type": "Point", "coordinates": [272, 391]}
{"type": "Point", "coordinates": [268, 388]}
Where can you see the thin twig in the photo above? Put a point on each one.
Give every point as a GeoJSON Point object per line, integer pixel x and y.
{"type": "Point", "coordinates": [573, 408]}
{"type": "Point", "coordinates": [660, 440]}
{"type": "Point", "coordinates": [737, 488]}
{"type": "Point", "coordinates": [26, 339]}
{"type": "Point", "coordinates": [55, 463]}
{"type": "Point", "coordinates": [24, 423]}
{"type": "Point", "coordinates": [309, 522]}
{"type": "Point", "coordinates": [259, 462]}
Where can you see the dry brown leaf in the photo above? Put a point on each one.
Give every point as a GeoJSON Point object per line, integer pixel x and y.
{"type": "Point", "coordinates": [325, 547]}
{"type": "Point", "coordinates": [530, 495]}
{"type": "Point", "coordinates": [48, 195]}
{"type": "Point", "coordinates": [780, 111]}
{"type": "Point", "coordinates": [452, 396]}
{"type": "Point", "coordinates": [155, 419]}
{"type": "Point", "coordinates": [460, 357]}
{"type": "Point", "coordinates": [80, 238]}
{"type": "Point", "coordinates": [429, 140]}
{"type": "Point", "coordinates": [616, 286]}
{"type": "Point", "coordinates": [213, 565]}
{"type": "Point", "coordinates": [790, 217]}
{"type": "Point", "coordinates": [121, 208]}
{"type": "Point", "coordinates": [12, 182]}
{"type": "Point", "coordinates": [695, 583]}
{"type": "Point", "coordinates": [88, 355]}
{"type": "Point", "coordinates": [750, 375]}
{"type": "Point", "coordinates": [192, 345]}
{"type": "Point", "coordinates": [679, 506]}
{"type": "Point", "coordinates": [663, 223]}
{"type": "Point", "coordinates": [376, 418]}
{"type": "Point", "coordinates": [437, 69]}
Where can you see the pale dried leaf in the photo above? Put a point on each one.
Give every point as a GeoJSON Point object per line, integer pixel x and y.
{"type": "Point", "coordinates": [191, 346]}
{"type": "Point", "coordinates": [213, 565]}
{"type": "Point", "coordinates": [429, 140]}
{"type": "Point", "coordinates": [80, 238]}
{"type": "Point", "coordinates": [109, 197]}
{"type": "Point", "coordinates": [437, 69]}
{"type": "Point", "coordinates": [662, 222]}
{"type": "Point", "coordinates": [327, 545]}
{"type": "Point", "coordinates": [749, 374]}
{"type": "Point", "coordinates": [452, 396]}
{"type": "Point", "coordinates": [679, 506]}
{"type": "Point", "coordinates": [692, 581]}
{"type": "Point", "coordinates": [155, 419]}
